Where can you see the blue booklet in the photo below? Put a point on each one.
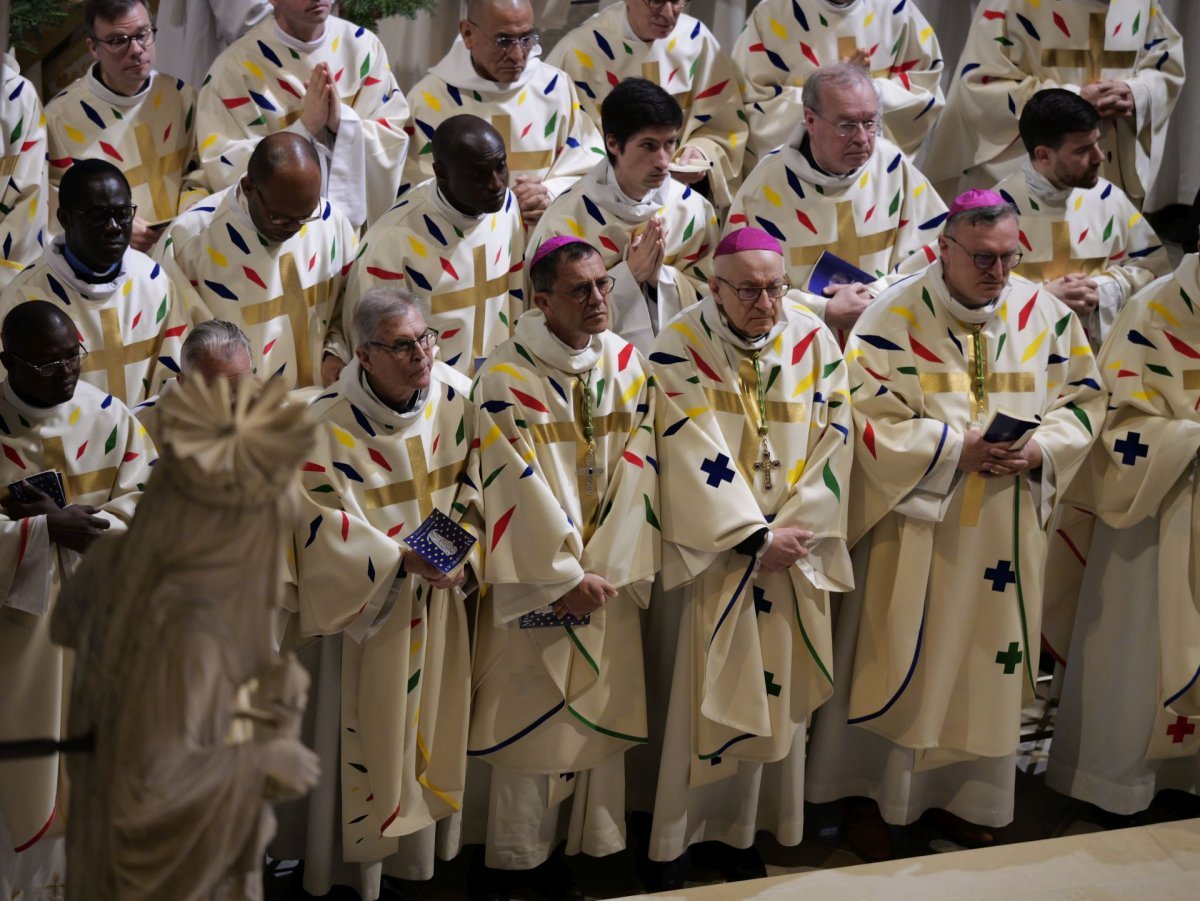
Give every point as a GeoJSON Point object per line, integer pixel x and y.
{"type": "Point", "coordinates": [441, 541]}
{"type": "Point", "coordinates": [544, 618]}
{"type": "Point", "coordinates": [1006, 427]}
{"type": "Point", "coordinates": [48, 482]}
{"type": "Point", "coordinates": [833, 270]}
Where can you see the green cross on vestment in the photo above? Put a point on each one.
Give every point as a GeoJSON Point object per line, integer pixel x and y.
{"type": "Point", "coordinates": [1010, 659]}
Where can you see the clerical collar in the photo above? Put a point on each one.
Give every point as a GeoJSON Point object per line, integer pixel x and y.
{"type": "Point", "coordinates": [298, 45]}
{"type": "Point", "coordinates": [456, 216]}
{"type": "Point", "coordinates": [28, 410]}
{"type": "Point", "coordinates": [533, 332]}
{"type": "Point", "coordinates": [354, 385]}
{"type": "Point", "coordinates": [86, 273]}
{"type": "Point", "coordinates": [806, 149]}
{"type": "Point", "coordinates": [1042, 188]}
{"type": "Point", "coordinates": [631, 35]}
{"type": "Point", "coordinates": [236, 198]}
{"type": "Point", "coordinates": [602, 186]}
{"type": "Point", "coordinates": [957, 309]}
{"type": "Point", "coordinates": [456, 68]}
{"type": "Point", "coordinates": [96, 85]}
{"type": "Point", "coordinates": [56, 260]}
{"type": "Point", "coordinates": [715, 315]}
{"type": "Point", "coordinates": [799, 147]}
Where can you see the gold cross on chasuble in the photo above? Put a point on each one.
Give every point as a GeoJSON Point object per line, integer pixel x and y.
{"type": "Point", "coordinates": [421, 487]}
{"type": "Point", "coordinates": [481, 291]}
{"type": "Point", "coordinates": [520, 161]}
{"type": "Point", "coordinates": [847, 47]}
{"type": "Point", "coordinates": [76, 485]}
{"type": "Point", "coordinates": [154, 170]}
{"type": "Point", "coordinates": [294, 302]}
{"type": "Point", "coordinates": [653, 74]}
{"type": "Point", "coordinates": [1094, 59]}
{"type": "Point", "coordinates": [1061, 262]}
{"type": "Point", "coordinates": [115, 355]}
{"type": "Point", "coordinates": [847, 244]}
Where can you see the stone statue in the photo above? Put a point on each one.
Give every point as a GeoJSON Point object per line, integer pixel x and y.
{"type": "Point", "coordinates": [196, 716]}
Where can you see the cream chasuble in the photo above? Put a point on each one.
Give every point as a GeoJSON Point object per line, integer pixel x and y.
{"type": "Point", "coordinates": [150, 137]}
{"type": "Point", "coordinates": [104, 457]}
{"type": "Point", "coordinates": [597, 210]}
{"type": "Point", "coordinates": [256, 88]}
{"type": "Point", "coordinates": [785, 41]}
{"type": "Point", "coordinates": [285, 297]}
{"type": "Point", "coordinates": [563, 699]}
{"type": "Point", "coordinates": [132, 327]}
{"type": "Point", "coordinates": [23, 191]}
{"type": "Point", "coordinates": [546, 133]}
{"type": "Point", "coordinates": [467, 272]}
{"type": "Point", "coordinates": [953, 591]}
{"type": "Point", "coordinates": [1018, 47]}
{"type": "Point", "coordinates": [1131, 697]}
{"type": "Point", "coordinates": [872, 218]}
{"type": "Point", "coordinates": [689, 64]}
{"type": "Point", "coordinates": [755, 434]}
{"type": "Point", "coordinates": [372, 478]}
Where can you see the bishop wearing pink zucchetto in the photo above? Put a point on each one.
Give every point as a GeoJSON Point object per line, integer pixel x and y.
{"type": "Point", "coordinates": [976, 398]}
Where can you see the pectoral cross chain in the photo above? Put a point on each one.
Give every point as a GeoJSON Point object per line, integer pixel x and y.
{"type": "Point", "coordinates": [765, 465]}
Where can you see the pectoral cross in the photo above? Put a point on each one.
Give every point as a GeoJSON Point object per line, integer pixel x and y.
{"type": "Point", "coordinates": [590, 469]}
{"type": "Point", "coordinates": [765, 465]}
{"type": "Point", "coordinates": [295, 302]}
{"type": "Point", "coordinates": [155, 171]}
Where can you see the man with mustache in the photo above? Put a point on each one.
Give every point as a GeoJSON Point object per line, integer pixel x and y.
{"type": "Point", "coordinates": [270, 255]}
{"type": "Point", "coordinates": [493, 71]}
{"type": "Point", "coordinates": [323, 78]}
{"type": "Point", "coordinates": [124, 111]}
{"type": "Point", "coordinates": [456, 242]}
{"type": "Point", "coordinates": [129, 312]}
{"type": "Point", "coordinates": [839, 186]}
{"type": "Point", "coordinates": [936, 648]}
{"type": "Point", "coordinates": [658, 41]}
{"type": "Point", "coordinates": [655, 234]}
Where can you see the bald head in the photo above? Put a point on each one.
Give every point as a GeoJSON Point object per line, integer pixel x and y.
{"type": "Point", "coordinates": [500, 37]}
{"type": "Point", "coordinates": [471, 165]}
{"type": "Point", "coordinates": [462, 135]}
{"type": "Point", "coordinates": [41, 353]}
{"type": "Point", "coordinates": [283, 151]}
{"type": "Point", "coordinates": [33, 321]}
{"type": "Point", "coordinates": [478, 10]}
{"type": "Point", "coordinates": [282, 185]}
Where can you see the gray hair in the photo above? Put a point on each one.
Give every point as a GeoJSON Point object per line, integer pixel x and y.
{"type": "Point", "coordinates": [980, 215]}
{"type": "Point", "coordinates": [375, 306]}
{"type": "Point", "coordinates": [214, 339]}
{"type": "Point", "coordinates": [840, 74]}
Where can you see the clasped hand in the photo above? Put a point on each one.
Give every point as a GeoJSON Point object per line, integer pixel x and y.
{"type": "Point", "coordinates": [74, 527]}
{"type": "Point", "coordinates": [991, 459]}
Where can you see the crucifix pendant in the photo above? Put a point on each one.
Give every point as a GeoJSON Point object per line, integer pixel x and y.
{"type": "Point", "coordinates": [590, 469]}
{"type": "Point", "coordinates": [765, 465]}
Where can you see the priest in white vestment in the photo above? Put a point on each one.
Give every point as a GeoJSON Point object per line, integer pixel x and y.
{"type": "Point", "coordinates": [569, 492]}
{"type": "Point", "coordinates": [394, 433]}
{"type": "Point", "coordinates": [494, 71]}
{"type": "Point", "coordinates": [323, 78]}
{"type": "Point", "coordinates": [192, 33]}
{"type": "Point", "coordinates": [24, 195]}
{"type": "Point", "coordinates": [50, 420]}
{"type": "Point", "coordinates": [659, 42]}
{"type": "Point", "coordinates": [270, 255]}
{"type": "Point", "coordinates": [123, 111]}
{"type": "Point", "coordinates": [129, 312]}
{"type": "Point", "coordinates": [655, 234]}
{"type": "Point", "coordinates": [755, 452]}
{"type": "Point", "coordinates": [1122, 56]}
{"type": "Point", "coordinates": [455, 242]}
{"type": "Point", "coordinates": [785, 41]}
{"type": "Point", "coordinates": [1128, 721]}
{"type": "Point", "coordinates": [936, 649]}
{"type": "Point", "coordinates": [837, 188]}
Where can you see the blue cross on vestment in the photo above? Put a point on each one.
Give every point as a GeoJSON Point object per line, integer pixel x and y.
{"type": "Point", "coordinates": [1130, 448]}
{"type": "Point", "coordinates": [718, 471]}
{"type": "Point", "coordinates": [1000, 575]}
{"type": "Point", "coordinates": [761, 604]}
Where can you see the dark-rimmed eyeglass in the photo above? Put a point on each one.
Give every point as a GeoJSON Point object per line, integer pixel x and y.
{"type": "Point", "coordinates": [506, 42]}
{"type": "Point", "coordinates": [986, 261]}
{"type": "Point", "coordinates": [750, 294]}
{"type": "Point", "coordinates": [846, 129]}
{"type": "Point", "coordinates": [100, 216]}
{"type": "Point", "coordinates": [45, 370]}
{"type": "Point", "coordinates": [286, 221]}
{"type": "Point", "coordinates": [426, 341]}
{"type": "Point", "coordinates": [119, 43]}
{"type": "Point", "coordinates": [582, 292]}
{"type": "Point", "coordinates": [656, 5]}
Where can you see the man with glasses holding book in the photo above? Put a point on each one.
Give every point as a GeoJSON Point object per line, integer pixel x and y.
{"type": "Point", "coordinates": [125, 112]}
{"type": "Point", "coordinates": [493, 71]}
{"type": "Point", "coordinates": [129, 313]}
{"type": "Point", "coordinates": [270, 255]}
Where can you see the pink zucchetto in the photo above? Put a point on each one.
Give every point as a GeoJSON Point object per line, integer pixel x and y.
{"type": "Point", "coordinates": [550, 245]}
{"type": "Point", "coordinates": [747, 239]}
{"type": "Point", "coordinates": [971, 200]}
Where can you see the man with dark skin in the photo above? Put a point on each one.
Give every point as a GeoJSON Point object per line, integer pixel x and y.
{"type": "Point", "coordinates": [455, 240]}
{"type": "Point", "coordinates": [97, 240]}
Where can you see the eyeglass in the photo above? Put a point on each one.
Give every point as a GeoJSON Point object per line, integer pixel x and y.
{"type": "Point", "coordinates": [582, 292]}
{"type": "Point", "coordinates": [656, 5]}
{"type": "Point", "coordinates": [847, 129]}
{"type": "Point", "coordinates": [48, 369]}
{"type": "Point", "coordinates": [99, 216]}
{"type": "Point", "coordinates": [750, 294]}
{"type": "Point", "coordinates": [506, 42]}
{"type": "Point", "coordinates": [282, 221]}
{"type": "Point", "coordinates": [119, 43]}
{"type": "Point", "coordinates": [408, 348]}
{"type": "Point", "coordinates": [986, 261]}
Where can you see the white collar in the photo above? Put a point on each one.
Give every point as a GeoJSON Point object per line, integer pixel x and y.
{"type": "Point", "coordinates": [41, 414]}
{"type": "Point", "coordinates": [1041, 187]}
{"type": "Point", "coordinates": [533, 332]}
{"type": "Point", "coordinates": [936, 282]}
{"type": "Point", "coordinates": [720, 325]}
{"type": "Point", "coordinates": [457, 70]}
{"type": "Point", "coordinates": [102, 92]}
{"type": "Point", "coordinates": [295, 43]}
{"type": "Point", "coordinates": [601, 184]}
{"type": "Point", "coordinates": [452, 213]}
{"type": "Point", "coordinates": [353, 384]}
{"type": "Point", "coordinates": [57, 262]}
{"type": "Point", "coordinates": [810, 173]}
